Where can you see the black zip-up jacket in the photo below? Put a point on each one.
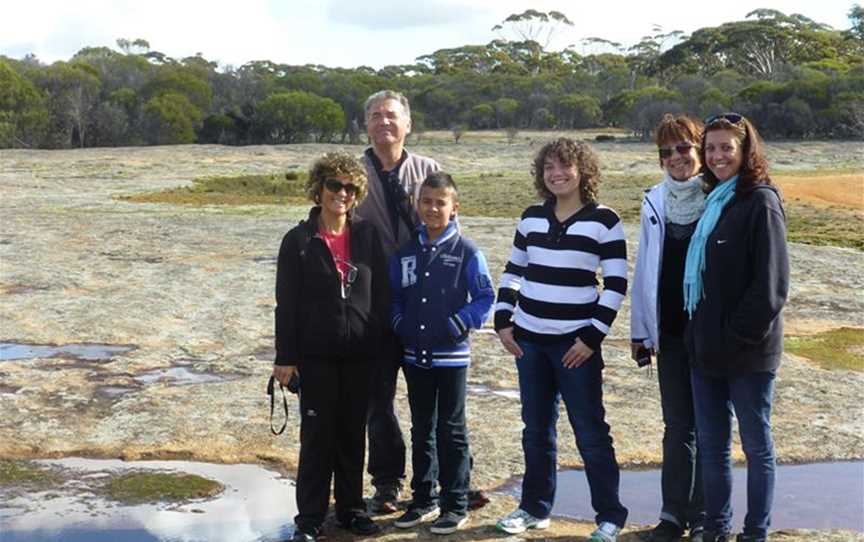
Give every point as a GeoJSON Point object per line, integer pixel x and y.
{"type": "Point", "coordinates": [312, 320]}
{"type": "Point", "coordinates": [737, 327]}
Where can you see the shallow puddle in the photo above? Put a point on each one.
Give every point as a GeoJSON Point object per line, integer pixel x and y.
{"type": "Point", "coordinates": [485, 390]}
{"type": "Point", "coordinates": [811, 496]}
{"type": "Point", "coordinates": [85, 351]}
{"type": "Point", "coordinates": [181, 375]}
{"type": "Point", "coordinates": [256, 506]}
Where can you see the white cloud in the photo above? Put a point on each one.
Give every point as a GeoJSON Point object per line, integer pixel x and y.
{"type": "Point", "coordinates": [376, 15]}
{"type": "Point", "coordinates": [343, 33]}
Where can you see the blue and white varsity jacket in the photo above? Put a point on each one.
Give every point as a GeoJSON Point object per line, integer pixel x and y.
{"type": "Point", "coordinates": [441, 290]}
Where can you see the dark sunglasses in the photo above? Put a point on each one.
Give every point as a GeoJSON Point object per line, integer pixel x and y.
{"type": "Point", "coordinates": [684, 148]}
{"type": "Point", "coordinates": [732, 118]}
{"type": "Point", "coordinates": [335, 186]}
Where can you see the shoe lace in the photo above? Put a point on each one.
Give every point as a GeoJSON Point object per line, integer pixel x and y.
{"type": "Point", "coordinates": [605, 531]}
{"type": "Point", "coordinates": [520, 514]}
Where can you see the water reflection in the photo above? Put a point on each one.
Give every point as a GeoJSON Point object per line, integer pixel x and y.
{"type": "Point", "coordinates": [478, 389]}
{"type": "Point", "coordinates": [84, 351]}
{"type": "Point", "coordinates": [257, 505]}
{"type": "Point", "coordinates": [181, 375]}
{"type": "Point", "coordinates": [811, 496]}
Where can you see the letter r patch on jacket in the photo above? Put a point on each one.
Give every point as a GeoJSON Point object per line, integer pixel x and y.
{"type": "Point", "coordinates": [409, 270]}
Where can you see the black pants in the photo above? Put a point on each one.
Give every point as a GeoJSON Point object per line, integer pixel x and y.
{"type": "Point", "coordinates": [386, 444]}
{"type": "Point", "coordinates": [333, 401]}
{"type": "Point", "coordinates": [439, 436]}
{"type": "Point", "coordinates": [681, 479]}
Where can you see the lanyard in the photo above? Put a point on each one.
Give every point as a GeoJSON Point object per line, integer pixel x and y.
{"type": "Point", "coordinates": [270, 392]}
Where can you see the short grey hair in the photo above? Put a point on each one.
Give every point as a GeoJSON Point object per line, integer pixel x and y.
{"type": "Point", "coordinates": [382, 95]}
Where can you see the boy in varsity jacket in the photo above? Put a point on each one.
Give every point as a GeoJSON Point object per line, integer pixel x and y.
{"type": "Point", "coordinates": [441, 290]}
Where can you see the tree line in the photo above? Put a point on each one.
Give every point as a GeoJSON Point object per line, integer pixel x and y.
{"type": "Point", "coordinates": [796, 78]}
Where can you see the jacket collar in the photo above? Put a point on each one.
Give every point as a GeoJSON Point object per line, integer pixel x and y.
{"type": "Point", "coordinates": [311, 222]}
{"type": "Point", "coordinates": [376, 162]}
{"type": "Point", "coordinates": [450, 231]}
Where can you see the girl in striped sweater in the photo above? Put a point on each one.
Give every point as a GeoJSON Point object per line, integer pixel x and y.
{"type": "Point", "coordinates": [550, 315]}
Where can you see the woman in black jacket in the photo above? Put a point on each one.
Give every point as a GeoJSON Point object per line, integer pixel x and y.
{"type": "Point", "coordinates": [736, 280]}
{"type": "Point", "coordinates": [331, 301]}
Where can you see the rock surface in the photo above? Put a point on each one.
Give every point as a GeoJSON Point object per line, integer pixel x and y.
{"type": "Point", "coordinates": [194, 287]}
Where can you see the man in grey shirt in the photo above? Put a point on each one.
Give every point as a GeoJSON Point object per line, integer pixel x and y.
{"type": "Point", "coordinates": [395, 176]}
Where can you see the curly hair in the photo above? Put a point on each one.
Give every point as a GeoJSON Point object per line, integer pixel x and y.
{"type": "Point", "coordinates": [336, 164]}
{"type": "Point", "coordinates": [673, 129]}
{"type": "Point", "coordinates": [754, 165]}
{"type": "Point", "coordinates": [570, 153]}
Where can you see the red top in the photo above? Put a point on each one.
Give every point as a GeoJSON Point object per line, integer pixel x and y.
{"type": "Point", "coordinates": [340, 247]}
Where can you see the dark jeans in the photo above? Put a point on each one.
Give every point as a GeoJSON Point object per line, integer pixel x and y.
{"type": "Point", "coordinates": [751, 396]}
{"type": "Point", "coordinates": [439, 436]}
{"type": "Point", "coordinates": [681, 476]}
{"type": "Point", "coordinates": [333, 402]}
{"type": "Point", "coordinates": [542, 379]}
{"type": "Point", "coordinates": [386, 444]}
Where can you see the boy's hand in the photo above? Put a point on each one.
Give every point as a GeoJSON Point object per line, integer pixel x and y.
{"type": "Point", "coordinates": [510, 344]}
{"type": "Point", "coordinates": [577, 354]}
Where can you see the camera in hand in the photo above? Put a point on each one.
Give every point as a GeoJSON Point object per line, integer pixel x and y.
{"type": "Point", "coordinates": [294, 383]}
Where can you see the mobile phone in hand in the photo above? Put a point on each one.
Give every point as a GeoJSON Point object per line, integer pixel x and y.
{"type": "Point", "coordinates": [643, 356]}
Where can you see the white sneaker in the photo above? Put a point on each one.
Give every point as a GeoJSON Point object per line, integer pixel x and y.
{"type": "Point", "coordinates": [605, 532]}
{"type": "Point", "coordinates": [519, 521]}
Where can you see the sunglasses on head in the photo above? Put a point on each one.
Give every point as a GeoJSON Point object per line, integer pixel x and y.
{"type": "Point", "coordinates": [335, 185]}
{"type": "Point", "coordinates": [732, 118]}
{"type": "Point", "coordinates": [683, 148]}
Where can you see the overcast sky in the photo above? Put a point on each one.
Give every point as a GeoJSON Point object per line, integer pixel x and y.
{"type": "Point", "coordinates": [347, 33]}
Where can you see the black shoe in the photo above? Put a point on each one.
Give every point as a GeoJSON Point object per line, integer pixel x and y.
{"type": "Point", "coordinates": [697, 534]}
{"type": "Point", "coordinates": [417, 515]}
{"type": "Point", "coordinates": [385, 501]}
{"type": "Point", "coordinates": [750, 538]}
{"type": "Point", "coordinates": [708, 536]}
{"type": "Point", "coordinates": [361, 525]}
{"type": "Point", "coordinates": [448, 523]}
{"type": "Point", "coordinates": [306, 535]}
{"type": "Point", "coordinates": [665, 531]}
{"type": "Point", "coordinates": [477, 499]}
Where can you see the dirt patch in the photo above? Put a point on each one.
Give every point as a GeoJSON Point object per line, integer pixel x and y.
{"type": "Point", "coordinates": [822, 191]}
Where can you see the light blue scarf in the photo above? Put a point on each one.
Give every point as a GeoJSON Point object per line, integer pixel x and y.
{"type": "Point", "coordinates": [695, 265]}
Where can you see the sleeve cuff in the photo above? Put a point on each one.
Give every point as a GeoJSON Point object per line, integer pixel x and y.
{"type": "Point", "coordinates": [458, 329]}
{"type": "Point", "coordinates": [503, 319]}
{"type": "Point", "coordinates": [591, 336]}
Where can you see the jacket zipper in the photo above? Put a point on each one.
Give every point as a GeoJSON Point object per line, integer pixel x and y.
{"type": "Point", "coordinates": [657, 274]}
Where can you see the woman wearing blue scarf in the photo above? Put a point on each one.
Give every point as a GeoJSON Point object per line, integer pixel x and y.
{"type": "Point", "coordinates": [736, 279]}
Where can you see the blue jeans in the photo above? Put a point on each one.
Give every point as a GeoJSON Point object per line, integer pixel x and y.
{"type": "Point", "coordinates": [542, 380]}
{"type": "Point", "coordinates": [439, 436]}
{"type": "Point", "coordinates": [680, 476]}
{"type": "Point", "coordinates": [714, 399]}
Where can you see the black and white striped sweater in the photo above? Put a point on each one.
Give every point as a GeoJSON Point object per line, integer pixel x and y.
{"type": "Point", "coordinates": [549, 286]}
